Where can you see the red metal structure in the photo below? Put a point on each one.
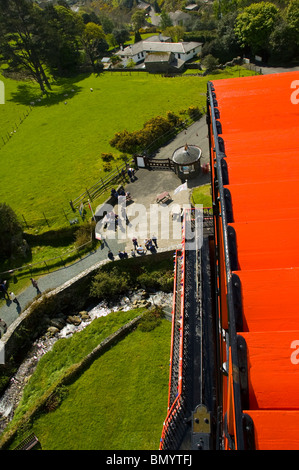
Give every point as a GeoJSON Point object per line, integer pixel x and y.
{"type": "Point", "coordinates": [245, 381]}
{"type": "Point", "coordinates": [253, 128]}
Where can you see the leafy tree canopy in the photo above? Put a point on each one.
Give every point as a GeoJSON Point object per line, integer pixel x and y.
{"type": "Point", "coordinates": [255, 24]}
{"type": "Point", "coordinates": [10, 232]}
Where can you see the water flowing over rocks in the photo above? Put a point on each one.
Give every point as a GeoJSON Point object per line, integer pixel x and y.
{"type": "Point", "coordinates": [64, 326]}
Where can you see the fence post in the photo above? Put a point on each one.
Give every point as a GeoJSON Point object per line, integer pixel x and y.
{"type": "Point", "coordinates": [65, 214]}
{"type": "Point", "coordinates": [46, 220]}
{"type": "Point", "coordinates": [25, 221]}
{"type": "Point", "coordinates": [88, 194]}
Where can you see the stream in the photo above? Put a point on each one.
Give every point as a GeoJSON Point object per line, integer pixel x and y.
{"type": "Point", "coordinates": [13, 393]}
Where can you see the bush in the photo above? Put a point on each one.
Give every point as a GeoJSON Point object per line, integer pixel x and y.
{"type": "Point", "coordinates": [151, 319]}
{"type": "Point", "coordinates": [56, 398]}
{"type": "Point", "coordinates": [109, 284]}
{"type": "Point", "coordinates": [107, 157]}
{"type": "Point", "coordinates": [210, 63]}
{"type": "Point", "coordinates": [84, 234]}
{"type": "Point", "coordinates": [11, 233]}
{"type": "Point", "coordinates": [194, 113]}
{"type": "Point", "coordinates": [156, 280]}
{"type": "Point", "coordinates": [107, 167]}
{"type": "Point", "coordinates": [135, 141]}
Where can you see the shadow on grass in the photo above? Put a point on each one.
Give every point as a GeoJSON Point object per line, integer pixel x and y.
{"type": "Point", "coordinates": [61, 237]}
{"type": "Point", "coordinates": [29, 94]}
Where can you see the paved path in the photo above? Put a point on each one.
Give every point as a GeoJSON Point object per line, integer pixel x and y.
{"type": "Point", "coordinates": [144, 191]}
{"type": "Point", "coordinates": [270, 70]}
{"type": "Point", "coordinates": [9, 312]}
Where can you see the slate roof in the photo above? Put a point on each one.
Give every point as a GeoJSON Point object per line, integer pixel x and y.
{"type": "Point", "coordinates": [157, 46]}
{"type": "Point", "coordinates": [186, 155]}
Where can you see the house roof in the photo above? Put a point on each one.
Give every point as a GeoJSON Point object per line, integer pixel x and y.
{"type": "Point", "coordinates": [178, 15]}
{"type": "Point", "coordinates": [186, 155]}
{"type": "Point", "coordinates": [157, 46]}
{"type": "Point", "coordinates": [158, 57]}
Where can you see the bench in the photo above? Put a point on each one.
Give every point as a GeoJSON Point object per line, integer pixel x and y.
{"type": "Point", "coordinates": [163, 197]}
{"type": "Point", "coordinates": [28, 443]}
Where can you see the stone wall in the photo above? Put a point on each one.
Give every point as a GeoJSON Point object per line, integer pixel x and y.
{"type": "Point", "coordinates": [72, 296]}
{"type": "Point", "coordinates": [69, 376]}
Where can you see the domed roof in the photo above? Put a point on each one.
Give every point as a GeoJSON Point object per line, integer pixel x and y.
{"type": "Point", "coordinates": [186, 155]}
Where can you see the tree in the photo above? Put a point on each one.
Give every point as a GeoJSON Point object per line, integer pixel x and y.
{"type": "Point", "coordinates": [225, 47]}
{"type": "Point", "coordinates": [121, 35]}
{"type": "Point", "coordinates": [165, 20]}
{"type": "Point", "coordinates": [254, 26]}
{"type": "Point", "coordinates": [210, 63]}
{"type": "Point", "coordinates": [176, 33]}
{"type": "Point", "coordinates": [11, 232]}
{"type": "Point", "coordinates": [20, 45]}
{"type": "Point", "coordinates": [61, 37]}
{"type": "Point", "coordinates": [282, 44]}
{"type": "Point", "coordinates": [138, 19]}
{"type": "Point", "coordinates": [94, 43]}
{"type": "Point", "coordinates": [292, 19]}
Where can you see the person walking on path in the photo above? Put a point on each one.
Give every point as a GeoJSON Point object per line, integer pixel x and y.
{"type": "Point", "coordinates": [14, 299]}
{"type": "Point", "coordinates": [4, 290]}
{"type": "Point", "coordinates": [34, 283]}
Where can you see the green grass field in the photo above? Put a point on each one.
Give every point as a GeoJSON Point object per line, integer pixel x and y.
{"type": "Point", "coordinates": [55, 153]}
{"type": "Point", "coordinates": [202, 195]}
{"type": "Point", "coordinates": [119, 402]}
{"type": "Point", "coordinates": [127, 391]}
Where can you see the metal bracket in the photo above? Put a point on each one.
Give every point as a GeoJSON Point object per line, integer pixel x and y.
{"type": "Point", "coordinates": [201, 429]}
{"type": "Point", "coordinates": [237, 297]}
{"type": "Point", "coordinates": [243, 371]}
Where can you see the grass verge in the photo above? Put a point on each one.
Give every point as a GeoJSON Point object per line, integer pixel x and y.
{"type": "Point", "coordinates": [119, 402]}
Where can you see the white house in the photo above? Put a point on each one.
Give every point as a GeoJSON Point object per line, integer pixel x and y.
{"type": "Point", "coordinates": [157, 44]}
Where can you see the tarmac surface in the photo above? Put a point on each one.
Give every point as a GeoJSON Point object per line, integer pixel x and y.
{"type": "Point", "coordinates": [144, 190]}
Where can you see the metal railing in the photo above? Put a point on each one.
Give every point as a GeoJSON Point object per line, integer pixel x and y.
{"type": "Point", "coordinates": [174, 425]}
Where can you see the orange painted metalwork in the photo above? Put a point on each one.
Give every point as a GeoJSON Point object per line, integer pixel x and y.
{"type": "Point", "coordinates": [260, 131]}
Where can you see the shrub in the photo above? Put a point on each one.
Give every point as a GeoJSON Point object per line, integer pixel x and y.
{"type": "Point", "coordinates": [107, 157]}
{"type": "Point", "coordinates": [84, 234]}
{"type": "Point", "coordinates": [151, 319]}
{"type": "Point", "coordinates": [132, 142]}
{"type": "Point", "coordinates": [56, 398]}
{"type": "Point", "coordinates": [109, 284]}
{"type": "Point", "coordinates": [194, 113]}
{"type": "Point", "coordinates": [107, 167]}
{"type": "Point", "coordinates": [156, 280]}
{"type": "Point", "coordinates": [11, 233]}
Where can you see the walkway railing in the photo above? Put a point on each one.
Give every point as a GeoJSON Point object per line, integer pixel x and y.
{"type": "Point", "coordinates": [174, 425]}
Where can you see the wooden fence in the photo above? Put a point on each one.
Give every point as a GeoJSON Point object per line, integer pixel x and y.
{"type": "Point", "coordinates": [101, 186]}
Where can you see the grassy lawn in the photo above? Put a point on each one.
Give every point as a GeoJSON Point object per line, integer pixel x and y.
{"type": "Point", "coordinates": [55, 154]}
{"type": "Point", "coordinates": [202, 195]}
{"type": "Point", "coordinates": [119, 402]}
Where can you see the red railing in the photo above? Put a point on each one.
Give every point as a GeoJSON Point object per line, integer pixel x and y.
{"type": "Point", "coordinates": [176, 405]}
